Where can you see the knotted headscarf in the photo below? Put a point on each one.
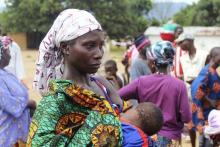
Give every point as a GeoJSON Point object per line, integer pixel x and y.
{"type": "Point", "coordinates": [162, 53]}
{"type": "Point", "coordinates": [69, 25]}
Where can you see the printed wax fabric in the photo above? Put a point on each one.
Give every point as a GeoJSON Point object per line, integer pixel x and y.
{"type": "Point", "coordinates": [205, 91]}
{"type": "Point", "coordinates": [73, 116]}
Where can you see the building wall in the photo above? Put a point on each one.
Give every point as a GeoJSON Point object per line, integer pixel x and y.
{"type": "Point", "coordinates": [20, 39]}
{"type": "Point", "coordinates": [205, 37]}
{"type": "Point", "coordinates": [201, 42]}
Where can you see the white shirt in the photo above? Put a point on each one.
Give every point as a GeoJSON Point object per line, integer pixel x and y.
{"type": "Point", "coordinates": [192, 67]}
{"type": "Point", "coordinates": [16, 63]}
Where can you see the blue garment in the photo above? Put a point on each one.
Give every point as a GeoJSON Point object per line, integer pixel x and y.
{"type": "Point", "coordinates": [207, 84]}
{"type": "Point", "coordinates": [163, 141]}
{"type": "Point", "coordinates": [132, 138]}
{"type": "Point", "coordinates": [139, 67]}
{"type": "Point", "coordinates": [14, 116]}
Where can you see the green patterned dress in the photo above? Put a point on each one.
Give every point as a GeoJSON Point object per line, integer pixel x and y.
{"type": "Point", "coordinates": [75, 117]}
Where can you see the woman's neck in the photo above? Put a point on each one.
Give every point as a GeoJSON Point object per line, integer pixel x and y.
{"type": "Point", "coordinates": [163, 71]}
{"type": "Point", "coordinates": [71, 73]}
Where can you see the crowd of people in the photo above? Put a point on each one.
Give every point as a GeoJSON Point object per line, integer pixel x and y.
{"type": "Point", "coordinates": [169, 85]}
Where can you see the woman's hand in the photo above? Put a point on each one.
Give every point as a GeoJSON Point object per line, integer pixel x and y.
{"type": "Point", "coordinates": [31, 104]}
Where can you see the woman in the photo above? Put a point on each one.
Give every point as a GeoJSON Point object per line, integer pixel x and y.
{"type": "Point", "coordinates": [14, 104]}
{"type": "Point", "coordinates": [80, 109]}
{"type": "Point", "coordinates": [205, 92]}
{"type": "Point", "coordinates": [167, 92]}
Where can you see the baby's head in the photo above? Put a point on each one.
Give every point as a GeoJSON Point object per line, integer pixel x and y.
{"type": "Point", "coordinates": [147, 116]}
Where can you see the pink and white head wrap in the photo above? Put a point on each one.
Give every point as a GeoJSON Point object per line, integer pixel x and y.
{"type": "Point", "coordinates": [69, 25]}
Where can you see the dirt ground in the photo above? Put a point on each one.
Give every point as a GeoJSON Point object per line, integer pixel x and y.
{"type": "Point", "coordinates": [29, 58]}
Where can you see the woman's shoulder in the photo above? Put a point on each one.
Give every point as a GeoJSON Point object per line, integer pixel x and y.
{"type": "Point", "coordinates": [101, 79]}
{"type": "Point", "coordinates": [58, 85]}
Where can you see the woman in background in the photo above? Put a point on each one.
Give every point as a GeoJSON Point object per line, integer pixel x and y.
{"type": "Point", "coordinates": [14, 104]}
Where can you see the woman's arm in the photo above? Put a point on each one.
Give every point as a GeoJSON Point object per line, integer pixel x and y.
{"type": "Point", "coordinates": [43, 126]}
{"type": "Point", "coordinates": [130, 91]}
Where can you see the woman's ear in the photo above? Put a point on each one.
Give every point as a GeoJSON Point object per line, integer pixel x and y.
{"type": "Point", "coordinates": [64, 48]}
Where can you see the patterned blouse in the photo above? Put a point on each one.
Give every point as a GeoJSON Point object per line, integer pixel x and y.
{"type": "Point", "coordinates": [205, 94]}
{"type": "Point", "coordinates": [73, 116]}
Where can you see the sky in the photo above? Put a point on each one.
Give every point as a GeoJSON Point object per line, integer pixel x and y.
{"type": "Point", "coordinates": [2, 4]}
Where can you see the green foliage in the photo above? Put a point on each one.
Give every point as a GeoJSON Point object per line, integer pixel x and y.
{"type": "Point", "coordinates": [205, 13]}
{"type": "Point", "coordinates": [119, 18]}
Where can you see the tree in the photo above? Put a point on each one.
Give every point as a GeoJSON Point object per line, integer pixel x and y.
{"type": "Point", "coordinates": [204, 13]}
{"type": "Point", "coordinates": [119, 19]}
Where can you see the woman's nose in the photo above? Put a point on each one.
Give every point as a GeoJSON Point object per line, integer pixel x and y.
{"type": "Point", "coordinates": [99, 53]}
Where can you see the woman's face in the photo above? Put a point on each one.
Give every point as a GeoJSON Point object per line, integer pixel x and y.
{"type": "Point", "coordinates": [86, 52]}
{"type": "Point", "coordinates": [5, 58]}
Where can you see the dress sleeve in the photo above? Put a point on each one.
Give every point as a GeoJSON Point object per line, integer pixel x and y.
{"type": "Point", "coordinates": [43, 127]}
{"type": "Point", "coordinates": [130, 91]}
{"type": "Point", "coordinates": [10, 103]}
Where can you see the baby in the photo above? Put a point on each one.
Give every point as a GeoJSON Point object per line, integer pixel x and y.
{"type": "Point", "coordinates": [138, 123]}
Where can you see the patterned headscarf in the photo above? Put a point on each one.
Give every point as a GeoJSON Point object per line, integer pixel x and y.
{"type": "Point", "coordinates": [162, 53]}
{"type": "Point", "coordinates": [69, 25]}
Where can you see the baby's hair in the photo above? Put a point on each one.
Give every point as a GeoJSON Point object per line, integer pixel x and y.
{"type": "Point", "coordinates": [151, 117]}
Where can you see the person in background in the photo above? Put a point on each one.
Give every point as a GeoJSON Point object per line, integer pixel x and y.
{"type": "Point", "coordinates": [177, 67]}
{"type": "Point", "coordinates": [205, 91]}
{"type": "Point", "coordinates": [192, 61]}
{"type": "Point", "coordinates": [212, 130]}
{"type": "Point", "coordinates": [139, 123]}
{"type": "Point", "coordinates": [170, 32]}
{"type": "Point", "coordinates": [14, 104]}
{"type": "Point", "coordinates": [15, 66]}
{"type": "Point", "coordinates": [139, 66]}
{"type": "Point", "coordinates": [166, 92]}
{"type": "Point", "coordinates": [111, 74]}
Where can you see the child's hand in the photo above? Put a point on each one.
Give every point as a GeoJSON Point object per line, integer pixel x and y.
{"type": "Point", "coordinates": [31, 104]}
{"type": "Point", "coordinates": [190, 125]}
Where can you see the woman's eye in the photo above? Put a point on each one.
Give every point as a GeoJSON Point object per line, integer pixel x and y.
{"type": "Point", "coordinates": [90, 45]}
